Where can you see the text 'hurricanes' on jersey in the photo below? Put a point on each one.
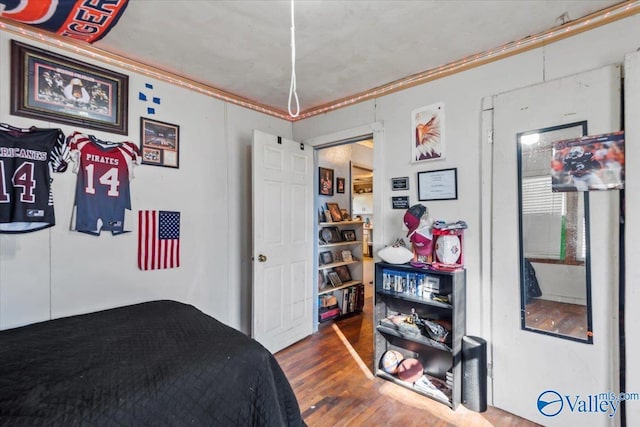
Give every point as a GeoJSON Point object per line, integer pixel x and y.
{"type": "Point", "coordinates": [102, 190]}
{"type": "Point", "coordinates": [27, 158]}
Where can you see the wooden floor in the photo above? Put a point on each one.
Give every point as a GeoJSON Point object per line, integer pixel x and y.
{"type": "Point", "coordinates": [557, 317]}
{"type": "Point", "coordinates": [331, 374]}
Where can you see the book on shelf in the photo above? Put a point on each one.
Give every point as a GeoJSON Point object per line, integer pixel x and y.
{"type": "Point", "coordinates": [433, 387]}
{"type": "Point", "coordinates": [329, 314]}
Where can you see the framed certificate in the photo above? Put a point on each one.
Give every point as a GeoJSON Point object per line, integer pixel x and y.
{"type": "Point", "coordinates": [438, 185]}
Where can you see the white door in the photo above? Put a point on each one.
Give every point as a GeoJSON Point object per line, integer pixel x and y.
{"type": "Point", "coordinates": [283, 216]}
{"type": "Point", "coordinates": [527, 364]}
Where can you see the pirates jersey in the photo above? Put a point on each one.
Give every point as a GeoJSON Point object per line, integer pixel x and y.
{"type": "Point", "coordinates": [102, 188]}
{"type": "Point", "coordinates": [27, 159]}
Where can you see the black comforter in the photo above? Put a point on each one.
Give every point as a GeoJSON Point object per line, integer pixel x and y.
{"type": "Point", "coordinates": [156, 363]}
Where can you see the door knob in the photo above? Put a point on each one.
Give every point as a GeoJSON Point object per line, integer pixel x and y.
{"type": "Point", "coordinates": [262, 258]}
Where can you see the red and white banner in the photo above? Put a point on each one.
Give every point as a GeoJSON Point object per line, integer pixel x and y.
{"type": "Point", "coordinates": [158, 240]}
{"type": "Point", "coordinates": [87, 20]}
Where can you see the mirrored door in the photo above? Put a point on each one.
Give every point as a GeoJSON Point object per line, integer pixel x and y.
{"type": "Point", "coordinates": [527, 363]}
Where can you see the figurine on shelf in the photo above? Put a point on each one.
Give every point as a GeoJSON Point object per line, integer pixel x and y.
{"type": "Point", "coordinates": [419, 224]}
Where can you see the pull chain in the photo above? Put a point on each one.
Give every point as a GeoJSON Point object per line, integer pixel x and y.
{"type": "Point", "coordinates": [292, 87]}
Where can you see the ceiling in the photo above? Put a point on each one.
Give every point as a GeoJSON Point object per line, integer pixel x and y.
{"type": "Point", "coordinates": [343, 48]}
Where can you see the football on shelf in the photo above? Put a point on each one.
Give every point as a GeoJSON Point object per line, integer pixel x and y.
{"type": "Point", "coordinates": [448, 249]}
{"type": "Point", "coordinates": [410, 370]}
{"type": "Point", "coordinates": [391, 359]}
{"type": "Point", "coordinates": [395, 254]}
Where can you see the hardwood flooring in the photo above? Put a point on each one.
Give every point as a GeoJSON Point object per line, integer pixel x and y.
{"type": "Point", "coordinates": [557, 317]}
{"type": "Point", "coordinates": [331, 374]}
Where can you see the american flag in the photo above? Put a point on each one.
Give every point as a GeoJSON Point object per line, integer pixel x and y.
{"type": "Point", "coordinates": [158, 240]}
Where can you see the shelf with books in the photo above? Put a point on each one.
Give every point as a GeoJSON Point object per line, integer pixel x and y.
{"type": "Point", "coordinates": [339, 267]}
{"type": "Point", "coordinates": [420, 318]}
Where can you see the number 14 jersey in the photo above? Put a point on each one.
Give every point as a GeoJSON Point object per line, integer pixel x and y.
{"type": "Point", "coordinates": [102, 190]}
{"type": "Point", "coordinates": [27, 159]}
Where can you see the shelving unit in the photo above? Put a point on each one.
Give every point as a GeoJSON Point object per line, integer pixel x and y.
{"type": "Point", "coordinates": [348, 294]}
{"type": "Point", "coordinates": [407, 291]}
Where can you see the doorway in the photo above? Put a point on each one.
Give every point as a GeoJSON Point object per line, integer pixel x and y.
{"type": "Point", "coordinates": [351, 164]}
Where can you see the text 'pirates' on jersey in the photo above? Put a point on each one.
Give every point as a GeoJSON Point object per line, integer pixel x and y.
{"type": "Point", "coordinates": [27, 158]}
{"type": "Point", "coordinates": [102, 190]}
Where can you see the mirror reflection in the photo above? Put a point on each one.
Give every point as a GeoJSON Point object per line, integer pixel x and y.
{"type": "Point", "coordinates": [554, 243]}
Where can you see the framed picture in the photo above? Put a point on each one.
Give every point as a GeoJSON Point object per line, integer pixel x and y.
{"type": "Point", "coordinates": [51, 87]}
{"type": "Point", "coordinates": [400, 202]}
{"type": "Point", "coordinates": [159, 143]}
{"type": "Point", "coordinates": [398, 184]}
{"type": "Point", "coordinates": [347, 255]}
{"type": "Point", "coordinates": [438, 185]}
{"type": "Point", "coordinates": [334, 210]}
{"type": "Point", "coordinates": [322, 281]}
{"type": "Point", "coordinates": [334, 278]}
{"type": "Point", "coordinates": [588, 163]}
{"type": "Point", "coordinates": [321, 216]}
{"type": "Point", "coordinates": [330, 235]}
{"type": "Point", "coordinates": [427, 133]}
{"type": "Point", "coordinates": [340, 185]}
{"type": "Point", "coordinates": [343, 273]}
{"type": "Point", "coordinates": [326, 257]}
{"type": "Point", "coordinates": [349, 235]}
{"type": "Point", "coordinates": [326, 182]}
{"type": "Point", "coordinates": [345, 215]}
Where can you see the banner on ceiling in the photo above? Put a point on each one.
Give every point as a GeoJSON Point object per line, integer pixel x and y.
{"type": "Point", "coordinates": [88, 20]}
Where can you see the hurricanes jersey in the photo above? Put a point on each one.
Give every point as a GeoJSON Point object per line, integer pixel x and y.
{"type": "Point", "coordinates": [102, 188]}
{"type": "Point", "coordinates": [27, 160]}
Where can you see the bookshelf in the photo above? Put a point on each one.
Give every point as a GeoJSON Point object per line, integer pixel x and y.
{"type": "Point", "coordinates": [340, 288]}
{"type": "Point", "coordinates": [435, 303]}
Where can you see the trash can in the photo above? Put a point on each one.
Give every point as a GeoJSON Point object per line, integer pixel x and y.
{"type": "Point", "coordinates": [474, 373]}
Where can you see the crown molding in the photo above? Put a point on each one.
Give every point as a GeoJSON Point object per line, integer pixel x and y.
{"type": "Point", "coordinates": [589, 22]}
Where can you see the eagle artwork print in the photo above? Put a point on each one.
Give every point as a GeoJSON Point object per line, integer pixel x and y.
{"type": "Point", "coordinates": [428, 130]}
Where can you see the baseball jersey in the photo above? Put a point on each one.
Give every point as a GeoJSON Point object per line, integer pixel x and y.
{"type": "Point", "coordinates": [27, 160]}
{"type": "Point", "coordinates": [104, 170]}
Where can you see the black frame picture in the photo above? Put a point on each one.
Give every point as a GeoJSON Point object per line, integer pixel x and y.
{"type": "Point", "coordinates": [349, 235]}
{"type": "Point", "coordinates": [322, 281]}
{"type": "Point", "coordinates": [439, 184]}
{"type": "Point", "coordinates": [343, 273]}
{"type": "Point", "coordinates": [334, 278]}
{"type": "Point", "coordinates": [400, 183]}
{"type": "Point", "coordinates": [51, 87]}
{"type": "Point", "coordinates": [326, 257]}
{"type": "Point", "coordinates": [325, 183]}
{"type": "Point", "coordinates": [400, 202]}
{"type": "Point", "coordinates": [330, 235]}
{"type": "Point", "coordinates": [334, 210]}
{"type": "Point", "coordinates": [159, 143]}
{"type": "Point", "coordinates": [340, 184]}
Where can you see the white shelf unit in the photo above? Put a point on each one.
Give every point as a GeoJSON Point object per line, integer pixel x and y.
{"type": "Point", "coordinates": [353, 266]}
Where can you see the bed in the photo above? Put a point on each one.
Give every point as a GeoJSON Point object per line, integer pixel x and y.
{"type": "Point", "coordinates": [155, 363]}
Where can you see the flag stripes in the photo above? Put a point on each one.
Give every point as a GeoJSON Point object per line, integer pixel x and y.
{"type": "Point", "coordinates": [158, 239]}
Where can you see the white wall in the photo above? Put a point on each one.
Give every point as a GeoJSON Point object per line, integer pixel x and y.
{"type": "Point", "coordinates": [562, 283]}
{"type": "Point", "coordinates": [462, 95]}
{"type": "Point", "coordinates": [58, 272]}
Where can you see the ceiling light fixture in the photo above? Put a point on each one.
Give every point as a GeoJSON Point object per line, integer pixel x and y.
{"type": "Point", "coordinates": [292, 87]}
{"type": "Point", "coordinates": [530, 139]}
